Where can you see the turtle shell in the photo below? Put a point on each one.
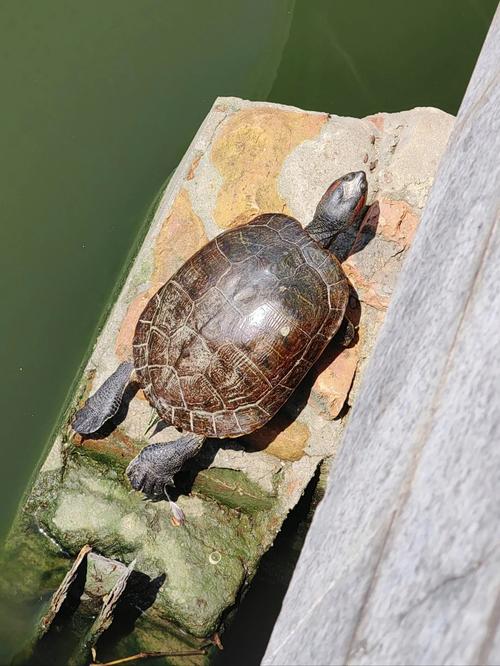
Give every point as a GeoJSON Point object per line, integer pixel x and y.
{"type": "Point", "coordinates": [223, 344]}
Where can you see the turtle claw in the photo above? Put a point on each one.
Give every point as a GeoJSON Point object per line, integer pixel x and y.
{"type": "Point", "coordinates": [153, 487]}
{"type": "Point", "coordinates": [155, 466]}
{"type": "Point", "coordinates": [137, 477]}
{"type": "Point", "coordinates": [147, 475]}
{"type": "Point", "coordinates": [153, 422]}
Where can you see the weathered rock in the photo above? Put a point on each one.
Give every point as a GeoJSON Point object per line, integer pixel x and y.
{"type": "Point", "coordinates": [247, 159]}
{"type": "Point", "coordinates": [332, 385]}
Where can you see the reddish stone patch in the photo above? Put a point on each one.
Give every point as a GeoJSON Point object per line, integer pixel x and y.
{"type": "Point", "coordinates": [377, 120]}
{"type": "Point", "coordinates": [387, 221]}
{"type": "Point", "coordinates": [193, 167]}
{"type": "Point", "coordinates": [281, 438]}
{"type": "Point", "coordinates": [397, 222]}
{"type": "Point", "coordinates": [181, 235]}
{"type": "Point", "coordinates": [123, 345]}
{"type": "Point", "coordinates": [367, 292]}
{"type": "Point", "coordinates": [332, 386]}
{"type": "Point", "coordinates": [118, 445]}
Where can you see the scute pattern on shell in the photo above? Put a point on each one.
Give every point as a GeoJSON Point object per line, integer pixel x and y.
{"type": "Point", "coordinates": [223, 344]}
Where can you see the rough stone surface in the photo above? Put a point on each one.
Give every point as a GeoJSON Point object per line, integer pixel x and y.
{"type": "Point", "coordinates": [402, 561]}
{"type": "Point", "coordinates": [247, 158]}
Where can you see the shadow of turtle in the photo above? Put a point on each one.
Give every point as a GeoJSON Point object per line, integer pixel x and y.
{"type": "Point", "coordinates": [203, 460]}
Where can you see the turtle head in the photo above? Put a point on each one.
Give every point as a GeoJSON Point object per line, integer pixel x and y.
{"type": "Point", "coordinates": [339, 207]}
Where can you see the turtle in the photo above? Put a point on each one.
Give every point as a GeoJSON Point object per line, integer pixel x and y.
{"type": "Point", "coordinates": [223, 344]}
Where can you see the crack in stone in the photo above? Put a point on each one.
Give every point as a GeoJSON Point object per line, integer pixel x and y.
{"type": "Point", "coordinates": [491, 632]}
{"type": "Point", "coordinates": [350, 652]}
{"type": "Point", "coordinates": [446, 581]}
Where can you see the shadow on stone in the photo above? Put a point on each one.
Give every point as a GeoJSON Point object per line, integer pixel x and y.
{"type": "Point", "coordinates": [58, 637]}
{"type": "Point", "coordinates": [140, 594]}
{"type": "Point", "coordinates": [299, 399]}
{"type": "Point", "coordinates": [249, 629]}
{"type": "Point", "coordinates": [57, 645]}
{"type": "Point", "coordinates": [185, 479]}
{"type": "Point", "coordinates": [73, 596]}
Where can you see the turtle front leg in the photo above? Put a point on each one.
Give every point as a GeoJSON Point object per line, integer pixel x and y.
{"type": "Point", "coordinates": [154, 468]}
{"type": "Point", "coordinates": [105, 402]}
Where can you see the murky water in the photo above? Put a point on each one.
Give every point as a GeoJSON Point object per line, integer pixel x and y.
{"type": "Point", "coordinates": [99, 102]}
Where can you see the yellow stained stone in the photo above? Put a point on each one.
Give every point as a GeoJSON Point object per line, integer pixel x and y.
{"type": "Point", "coordinates": [249, 152]}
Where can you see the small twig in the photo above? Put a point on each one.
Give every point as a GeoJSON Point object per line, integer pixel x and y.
{"type": "Point", "coordinates": [148, 655]}
{"type": "Point", "coordinates": [154, 419]}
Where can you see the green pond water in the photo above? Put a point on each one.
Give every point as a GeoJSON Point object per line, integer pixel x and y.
{"type": "Point", "coordinates": [99, 102]}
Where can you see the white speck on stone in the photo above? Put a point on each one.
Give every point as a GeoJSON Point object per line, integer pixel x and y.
{"type": "Point", "coordinates": [215, 557]}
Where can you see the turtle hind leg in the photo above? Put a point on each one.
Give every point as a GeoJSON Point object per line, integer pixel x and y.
{"type": "Point", "coordinates": [346, 333]}
{"type": "Point", "coordinates": [104, 403]}
{"type": "Point", "coordinates": [156, 465]}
